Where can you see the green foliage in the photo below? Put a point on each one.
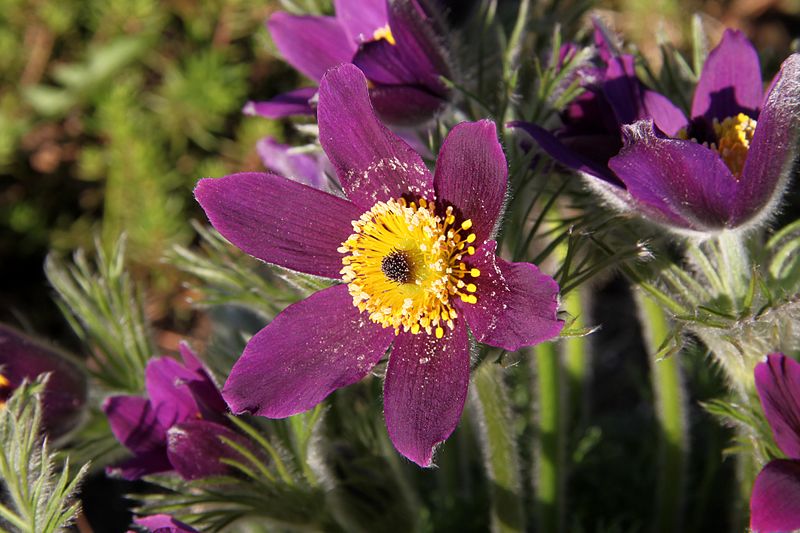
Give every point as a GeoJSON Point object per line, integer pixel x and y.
{"type": "Point", "coordinates": [127, 103]}
{"type": "Point", "coordinates": [39, 498]}
{"type": "Point", "coordinates": [229, 276]}
{"type": "Point", "coordinates": [105, 310]}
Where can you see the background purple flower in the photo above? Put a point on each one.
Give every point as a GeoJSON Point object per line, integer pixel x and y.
{"type": "Point", "coordinates": [162, 523]}
{"type": "Point", "coordinates": [394, 43]}
{"type": "Point", "coordinates": [725, 168]}
{"type": "Point", "coordinates": [334, 337]}
{"type": "Point", "coordinates": [178, 426]}
{"type": "Point", "coordinates": [23, 358]}
{"type": "Point", "coordinates": [775, 501]}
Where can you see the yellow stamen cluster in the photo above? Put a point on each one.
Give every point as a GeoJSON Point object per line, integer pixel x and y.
{"type": "Point", "coordinates": [403, 266]}
{"type": "Point", "coordinates": [734, 135]}
{"type": "Point", "coordinates": [384, 32]}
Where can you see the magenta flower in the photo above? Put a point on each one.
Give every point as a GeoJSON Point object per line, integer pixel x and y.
{"type": "Point", "coordinates": [775, 502]}
{"type": "Point", "coordinates": [416, 255]}
{"type": "Point", "coordinates": [393, 43]}
{"type": "Point", "coordinates": [725, 168]}
{"type": "Point", "coordinates": [23, 358]}
{"type": "Point", "coordinates": [178, 426]}
{"type": "Point", "coordinates": [162, 523]}
{"type": "Point", "coordinates": [286, 161]}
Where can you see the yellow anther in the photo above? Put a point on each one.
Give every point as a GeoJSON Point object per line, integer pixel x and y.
{"type": "Point", "coordinates": [733, 138]}
{"type": "Point", "coordinates": [415, 329]}
{"type": "Point", "coordinates": [474, 272]}
{"type": "Point", "coordinates": [4, 381]}
{"type": "Point", "coordinates": [384, 32]}
{"type": "Point", "coordinates": [734, 135]}
{"type": "Point", "coordinates": [466, 224]}
{"type": "Point", "coordinates": [471, 250]}
{"type": "Point", "coordinates": [471, 238]}
{"type": "Point", "coordinates": [439, 332]}
{"type": "Point", "coordinates": [472, 287]}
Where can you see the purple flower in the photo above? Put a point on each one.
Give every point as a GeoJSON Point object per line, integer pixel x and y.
{"type": "Point", "coordinates": [287, 161]}
{"type": "Point", "coordinates": [22, 358]}
{"type": "Point", "coordinates": [725, 168]}
{"type": "Point", "coordinates": [416, 254]}
{"type": "Point", "coordinates": [775, 502]}
{"type": "Point", "coordinates": [393, 43]}
{"type": "Point", "coordinates": [179, 425]}
{"type": "Point", "coordinates": [162, 523]}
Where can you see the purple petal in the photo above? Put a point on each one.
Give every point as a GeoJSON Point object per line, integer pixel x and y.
{"type": "Point", "coordinates": [284, 105]}
{"type": "Point", "coordinates": [373, 164]}
{"type": "Point", "coordinates": [22, 357]}
{"type": "Point", "coordinates": [731, 80]}
{"type": "Point", "coordinates": [170, 398]}
{"type": "Point", "coordinates": [405, 105]}
{"type": "Point", "coordinates": [134, 423]}
{"type": "Point", "coordinates": [416, 58]}
{"type": "Point", "coordinates": [425, 388]}
{"type": "Point", "coordinates": [775, 502]}
{"type": "Point", "coordinates": [590, 114]}
{"type": "Point", "coordinates": [143, 464]}
{"type": "Point", "coordinates": [517, 304]}
{"type": "Point", "coordinates": [778, 386]}
{"type": "Point", "coordinates": [472, 176]}
{"type": "Point", "coordinates": [360, 18]}
{"type": "Point", "coordinates": [556, 149]}
{"type": "Point", "coordinates": [416, 62]}
{"type": "Point", "coordinates": [311, 44]}
{"type": "Point", "coordinates": [283, 160]}
{"type": "Point", "coordinates": [685, 181]}
{"type": "Point", "coordinates": [195, 449]}
{"type": "Point", "coordinates": [205, 392]}
{"type": "Point", "coordinates": [308, 351]}
{"type": "Point", "coordinates": [774, 148]}
{"type": "Point", "coordinates": [607, 44]}
{"type": "Point", "coordinates": [632, 101]}
{"type": "Point", "coordinates": [161, 523]}
{"type": "Point", "coordinates": [280, 221]}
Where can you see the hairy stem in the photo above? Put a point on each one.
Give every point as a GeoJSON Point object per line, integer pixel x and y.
{"type": "Point", "coordinates": [673, 442]}
{"type": "Point", "coordinates": [550, 456]}
{"type": "Point", "coordinates": [499, 449]}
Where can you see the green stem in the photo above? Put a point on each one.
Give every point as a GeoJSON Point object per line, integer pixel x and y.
{"type": "Point", "coordinates": [499, 449]}
{"type": "Point", "coordinates": [550, 457]}
{"type": "Point", "coordinates": [673, 442]}
{"type": "Point", "coordinates": [576, 351]}
{"type": "Point", "coordinates": [734, 266]}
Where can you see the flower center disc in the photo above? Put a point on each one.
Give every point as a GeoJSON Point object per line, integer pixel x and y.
{"type": "Point", "coordinates": [403, 266]}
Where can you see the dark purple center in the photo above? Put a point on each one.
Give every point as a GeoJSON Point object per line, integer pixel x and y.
{"type": "Point", "coordinates": [397, 267]}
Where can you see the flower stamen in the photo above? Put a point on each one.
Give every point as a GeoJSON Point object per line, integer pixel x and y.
{"type": "Point", "coordinates": [733, 138]}
{"type": "Point", "coordinates": [404, 265]}
{"type": "Point", "coordinates": [384, 32]}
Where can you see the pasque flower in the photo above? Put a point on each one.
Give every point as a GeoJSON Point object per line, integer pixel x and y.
{"type": "Point", "coordinates": [395, 43]}
{"type": "Point", "coordinates": [178, 426]}
{"type": "Point", "coordinates": [415, 253]}
{"type": "Point", "coordinates": [724, 168]}
{"type": "Point", "coordinates": [162, 523]}
{"type": "Point", "coordinates": [23, 358]}
{"type": "Point", "coordinates": [775, 502]}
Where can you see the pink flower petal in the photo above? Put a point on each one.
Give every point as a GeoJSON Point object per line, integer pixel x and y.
{"type": "Point", "coordinates": [308, 351]}
{"type": "Point", "coordinates": [425, 389]}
